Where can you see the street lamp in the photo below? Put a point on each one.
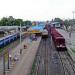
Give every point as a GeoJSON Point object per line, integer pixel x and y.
{"type": "Point", "coordinates": [20, 39]}
{"type": "Point", "coordinates": [20, 33]}
{"type": "Point", "coordinates": [73, 18]}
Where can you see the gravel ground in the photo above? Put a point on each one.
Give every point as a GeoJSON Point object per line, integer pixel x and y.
{"type": "Point", "coordinates": [49, 62]}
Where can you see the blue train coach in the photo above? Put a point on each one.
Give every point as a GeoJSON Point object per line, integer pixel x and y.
{"type": "Point", "coordinates": [8, 39]}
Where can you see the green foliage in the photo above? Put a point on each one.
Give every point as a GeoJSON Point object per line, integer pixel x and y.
{"type": "Point", "coordinates": [18, 22]}
{"type": "Point", "coordinates": [72, 21]}
{"type": "Point", "coordinates": [1, 50]}
{"type": "Point", "coordinates": [73, 50]}
{"type": "Point", "coordinates": [7, 21]}
{"type": "Point", "coordinates": [27, 23]}
{"type": "Point", "coordinates": [68, 23]}
{"type": "Point", "coordinates": [58, 20]}
{"type": "Point", "coordinates": [10, 21]}
{"type": "Point", "coordinates": [4, 21]}
{"type": "Point", "coordinates": [33, 67]}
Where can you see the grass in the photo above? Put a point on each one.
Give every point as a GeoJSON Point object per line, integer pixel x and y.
{"type": "Point", "coordinates": [1, 50]}
{"type": "Point", "coordinates": [73, 49]}
{"type": "Point", "coordinates": [11, 45]}
{"type": "Point", "coordinates": [33, 67]}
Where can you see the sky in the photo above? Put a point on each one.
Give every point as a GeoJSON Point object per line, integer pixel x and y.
{"type": "Point", "coordinates": [38, 10]}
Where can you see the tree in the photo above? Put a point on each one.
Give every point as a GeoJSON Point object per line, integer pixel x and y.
{"type": "Point", "coordinates": [58, 20]}
{"type": "Point", "coordinates": [11, 21]}
{"type": "Point", "coordinates": [18, 22]}
{"type": "Point", "coordinates": [67, 24]}
{"type": "Point", "coordinates": [27, 23]}
{"type": "Point", "coordinates": [7, 21]}
{"type": "Point", "coordinates": [72, 22]}
{"type": "Point", "coordinates": [4, 21]}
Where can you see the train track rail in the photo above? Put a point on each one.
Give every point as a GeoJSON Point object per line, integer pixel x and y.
{"type": "Point", "coordinates": [67, 63]}
{"type": "Point", "coordinates": [44, 63]}
{"type": "Point", "coordinates": [41, 61]}
{"type": "Point", "coordinates": [49, 61]}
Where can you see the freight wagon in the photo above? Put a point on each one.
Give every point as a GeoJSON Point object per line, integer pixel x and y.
{"type": "Point", "coordinates": [58, 39]}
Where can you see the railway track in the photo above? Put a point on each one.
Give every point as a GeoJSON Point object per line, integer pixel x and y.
{"type": "Point", "coordinates": [40, 66]}
{"type": "Point", "coordinates": [49, 61]}
{"type": "Point", "coordinates": [45, 60]}
{"type": "Point", "coordinates": [55, 66]}
{"type": "Point", "coordinates": [67, 63]}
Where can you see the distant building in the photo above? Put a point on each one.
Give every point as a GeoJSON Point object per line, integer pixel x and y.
{"type": "Point", "coordinates": [56, 24]}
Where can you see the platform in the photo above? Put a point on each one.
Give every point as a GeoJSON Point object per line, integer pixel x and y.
{"type": "Point", "coordinates": [24, 64]}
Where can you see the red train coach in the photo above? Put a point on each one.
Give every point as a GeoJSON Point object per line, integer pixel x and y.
{"type": "Point", "coordinates": [58, 39]}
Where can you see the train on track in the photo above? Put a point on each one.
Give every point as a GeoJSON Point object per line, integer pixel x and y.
{"type": "Point", "coordinates": [8, 39]}
{"type": "Point", "coordinates": [44, 34]}
{"type": "Point", "coordinates": [58, 39]}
